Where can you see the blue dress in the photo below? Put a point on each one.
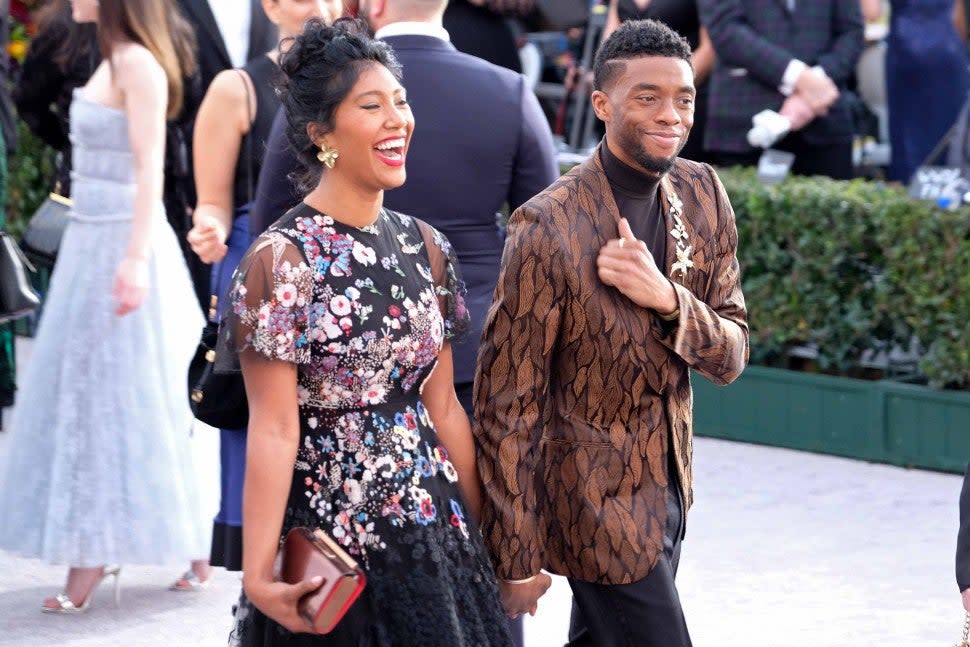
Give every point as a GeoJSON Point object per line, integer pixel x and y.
{"type": "Point", "coordinates": [100, 466]}
{"type": "Point", "coordinates": [926, 80]}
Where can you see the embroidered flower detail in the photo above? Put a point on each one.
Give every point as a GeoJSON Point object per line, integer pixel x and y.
{"type": "Point", "coordinates": [286, 294]}
{"type": "Point", "coordinates": [363, 254]}
{"type": "Point", "coordinates": [679, 233]}
{"type": "Point", "coordinates": [340, 306]}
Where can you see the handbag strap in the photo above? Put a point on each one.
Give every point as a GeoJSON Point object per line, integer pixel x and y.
{"type": "Point", "coordinates": [248, 138]}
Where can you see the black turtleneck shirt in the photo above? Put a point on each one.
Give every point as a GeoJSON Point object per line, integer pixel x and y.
{"type": "Point", "coordinates": [637, 198]}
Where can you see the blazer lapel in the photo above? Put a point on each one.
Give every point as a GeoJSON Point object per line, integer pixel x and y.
{"type": "Point", "coordinates": [597, 194]}
{"type": "Point", "coordinates": [605, 215]}
{"type": "Point", "coordinates": [207, 21]}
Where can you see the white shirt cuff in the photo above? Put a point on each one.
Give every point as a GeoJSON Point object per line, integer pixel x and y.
{"type": "Point", "coordinates": [790, 77]}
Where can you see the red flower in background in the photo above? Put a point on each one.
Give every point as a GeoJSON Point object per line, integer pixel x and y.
{"type": "Point", "coordinates": [20, 10]}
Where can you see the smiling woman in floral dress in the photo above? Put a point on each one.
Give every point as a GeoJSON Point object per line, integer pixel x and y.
{"type": "Point", "coordinates": [341, 317]}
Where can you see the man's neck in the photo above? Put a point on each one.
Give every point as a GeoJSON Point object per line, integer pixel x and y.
{"type": "Point", "coordinates": [433, 28]}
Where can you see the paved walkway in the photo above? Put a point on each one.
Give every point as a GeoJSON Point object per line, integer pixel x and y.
{"type": "Point", "coordinates": [783, 548]}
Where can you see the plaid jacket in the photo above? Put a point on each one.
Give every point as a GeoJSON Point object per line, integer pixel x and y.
{"type": "Point", "coordinates": [755, 40]}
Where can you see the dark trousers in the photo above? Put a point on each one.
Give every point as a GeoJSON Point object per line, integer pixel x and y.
{"type": "Point", "coordinates": [831, 160]}
{"type": "Point", "coordinates": [646, 613]}
{"type": "Point", "coordinates": [464, 391]}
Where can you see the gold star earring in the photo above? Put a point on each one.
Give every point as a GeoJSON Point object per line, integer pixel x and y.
{"type": "Point", "coordinates": [327, 155]}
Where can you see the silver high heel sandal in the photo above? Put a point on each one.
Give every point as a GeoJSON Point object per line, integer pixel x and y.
{"type": "Point", "coordinates": [65, 604]}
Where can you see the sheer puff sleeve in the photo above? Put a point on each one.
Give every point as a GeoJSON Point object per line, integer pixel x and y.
{"type": "Point", "coordinates": [448, 284]}
{"type": "Point", "coordinates": [269, 305]}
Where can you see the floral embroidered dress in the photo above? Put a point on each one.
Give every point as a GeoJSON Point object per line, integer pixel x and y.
{"type": "Point", "coordinates": [360, 311]}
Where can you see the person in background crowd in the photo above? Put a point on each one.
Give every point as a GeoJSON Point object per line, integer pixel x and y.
{"type": "Point", "coordinates": [229, 33]}
{"type": "Point", "coordinates": [963, 543]}
{"type": "Point", "coordinates": [62, 56]}
{"type": "Point", "coordinates": [961, 16]}
{"type": "Point", "coordinates": [871, 10]}
{"type": "Point", "coordinates": [99, 468]}
{"type": "Point", "coordinates": [790, 56]}
{"type": "Point", "coordinates": [583, 398]}
{"type": "Point", "coordinates": [681, 16]}
{"type": "Point", "coordinates": [924, 51]}
{"type": "Point", "coordinates": [476, 28]}
{"type": "Point", "coordinates": [231, 129]}
{"type": "Point", "coordinates": [355, 428]}
{"type": "Point", "coordinates": [8, 138]}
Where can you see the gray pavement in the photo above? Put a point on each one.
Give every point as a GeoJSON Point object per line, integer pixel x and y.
{"type": "Point", "coordinates": [783, 548]}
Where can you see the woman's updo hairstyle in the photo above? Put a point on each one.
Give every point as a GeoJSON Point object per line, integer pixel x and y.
{"type": "Point", "coordinates": [320, 68]}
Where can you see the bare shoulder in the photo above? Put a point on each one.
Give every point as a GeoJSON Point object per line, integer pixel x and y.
{"type": "Point", "coordinates": [228, 86]}
{"type": "Point", "coordinates": [136, 65]}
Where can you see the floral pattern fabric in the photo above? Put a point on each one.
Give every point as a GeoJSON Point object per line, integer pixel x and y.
{"type": "Point", "coordinates": [360, 311]}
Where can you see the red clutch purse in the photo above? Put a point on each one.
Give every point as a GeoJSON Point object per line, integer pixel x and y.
{"type": "Point", "coordinates": [308, 553]}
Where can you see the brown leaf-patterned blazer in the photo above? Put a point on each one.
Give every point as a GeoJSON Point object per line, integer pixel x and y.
{"type": "Point", "coordinates": [577, 386]}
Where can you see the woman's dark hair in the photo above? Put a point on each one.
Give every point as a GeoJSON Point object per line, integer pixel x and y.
{"type": "Point", "coordinates": [76, 43]}
{"type": "Point", "coordinates": [319, 69]}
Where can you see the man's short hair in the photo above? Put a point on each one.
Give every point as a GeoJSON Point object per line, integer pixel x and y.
{"type": "Point", "coordinates": [635, 39]}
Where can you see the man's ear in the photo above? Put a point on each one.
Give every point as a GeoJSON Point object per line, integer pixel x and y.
{"type": "Point", "coordinates": [601, 105]}
{"type": "Point", "coordinates": [376, 9]}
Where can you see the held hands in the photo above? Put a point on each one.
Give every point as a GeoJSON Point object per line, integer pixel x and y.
{"type": "Point", "coordinates": [208, 239]}
{"type": "Point", "coordinates": [797, 111]}
{"type": "Point", "coordinates": [628, 265]}
{"type": "Point", "coordinates": [130, 284]}
{"type": "Point", "coordinates": [523, 597]}
{"type": "Point", "coordinates": [280, 601]}
{"type": "Point", "coordinates": [817, 89]}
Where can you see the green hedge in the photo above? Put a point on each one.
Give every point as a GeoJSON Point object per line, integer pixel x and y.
{"type": "Point", "coordinates": [853, 266]}
{"type": "Point", "coordinates": [30, 178]}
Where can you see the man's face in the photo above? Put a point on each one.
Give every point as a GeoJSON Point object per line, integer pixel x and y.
{"type": "Point", "coordinates": [648, 109]}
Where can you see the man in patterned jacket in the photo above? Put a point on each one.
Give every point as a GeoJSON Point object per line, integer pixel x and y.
{"type": "Point", "coordinates": [583, 397]}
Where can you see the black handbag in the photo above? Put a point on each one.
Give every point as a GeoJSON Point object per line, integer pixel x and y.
{"type": "Point", "coordinates": [17, 296]}
{"type": "Point", "coordinates": [42, 237]}
{"type": "Point", "coordinates": [217, 399]}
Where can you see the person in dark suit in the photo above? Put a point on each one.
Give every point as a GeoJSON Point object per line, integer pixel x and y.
{"type": "Point", "coordinates": [963, 543]}
{"type": "Point", "coordinates": [791, 56]}
{"type": "Point", "coordinates": [214, 50]}
{"type": "Point", "coordinates": [220, 27]}
{"type": "Point", "coordinates": [476, 29]}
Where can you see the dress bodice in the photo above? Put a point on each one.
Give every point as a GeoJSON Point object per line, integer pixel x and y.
{"type": "Point", "coordinates": [103, 173]}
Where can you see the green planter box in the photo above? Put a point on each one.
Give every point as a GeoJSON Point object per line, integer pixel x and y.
{"type": "Point", "coordinates": [875, 421]}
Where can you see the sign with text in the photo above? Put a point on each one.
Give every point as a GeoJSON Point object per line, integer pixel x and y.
{"type": "Point", "coordinates": [936, 183]}
{"type": "Point", "coordinates": [774, 166]}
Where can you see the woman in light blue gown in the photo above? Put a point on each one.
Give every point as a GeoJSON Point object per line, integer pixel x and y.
{"type": "Point", "coordinates": [100, 468]}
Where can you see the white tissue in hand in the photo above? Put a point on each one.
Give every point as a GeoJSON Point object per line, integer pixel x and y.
{"type": "Point", "coordinates": [767, 127]}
